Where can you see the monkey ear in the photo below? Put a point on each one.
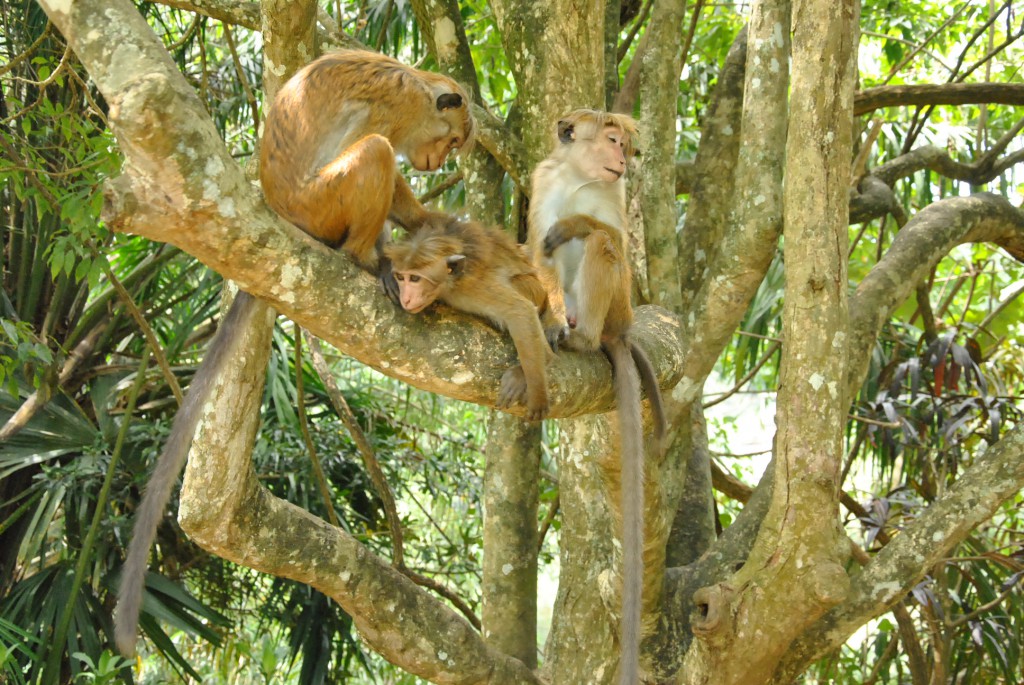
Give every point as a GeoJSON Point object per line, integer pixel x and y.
{"type": "Point", "coordinates": [456, 264]}
{"type": "Point", "coordinates": [449, 101]}
{"type": "Point", "coordinates": [566, 131]}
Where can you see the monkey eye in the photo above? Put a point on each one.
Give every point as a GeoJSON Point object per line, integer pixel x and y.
{"type": "Point", "coordinates": [399, 277]}
{"type": "Point", "coordinates": [413, 278]}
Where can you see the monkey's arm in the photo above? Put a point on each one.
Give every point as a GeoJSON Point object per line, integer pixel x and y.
{"type": "Point", "coordinates": [576, 226]}
{"type": "Point", "coordinates": [555, 328]}
{"type": "Point", "coordinates": [526, 383]}
{"type": "Point", "coordinates": [407, 211]}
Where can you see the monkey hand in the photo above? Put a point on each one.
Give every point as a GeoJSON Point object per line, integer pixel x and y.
{"type": "Point", "coordinates": [556, 335]}
{"type": "Point", "coordinates": [514, 391]}
{"type": "Point", "coordinates": [386, 278]}
{"type": "Point", "coordinates": [561, 232]}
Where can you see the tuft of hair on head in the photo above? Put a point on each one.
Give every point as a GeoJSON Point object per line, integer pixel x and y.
{"type": "Point", "coordinates": [422, 250]}
{"type": "Point", "coordinates": [585, 124]}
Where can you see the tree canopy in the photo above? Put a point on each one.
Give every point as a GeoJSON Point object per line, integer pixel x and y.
{"type": "Point", "coordinates": [825, 223]}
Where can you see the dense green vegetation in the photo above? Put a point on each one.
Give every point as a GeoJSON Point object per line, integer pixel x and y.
{"type": "Point", "coordinates": [97, 325]}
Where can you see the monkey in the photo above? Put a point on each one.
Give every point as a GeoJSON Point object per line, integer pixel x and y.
{"type": "Point", "coordinates": [577, 230]}
{"type": "Point", "coordinates": [327, 165]}
{"type": "Point", "coordinates": [327, 160]}
{"type": "Point", "coordinates": [481, 270]}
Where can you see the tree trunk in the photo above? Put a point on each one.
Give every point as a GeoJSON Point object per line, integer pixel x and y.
{"type": "Point", "coordinates": [509, 583]}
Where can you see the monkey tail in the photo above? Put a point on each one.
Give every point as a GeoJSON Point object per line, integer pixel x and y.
{"type": "Point", "coordinates": [649, 379]}
{"type": "Point", "coordinates": [165, 474]}
{"type": "Point", "coordinates": [627, 396]}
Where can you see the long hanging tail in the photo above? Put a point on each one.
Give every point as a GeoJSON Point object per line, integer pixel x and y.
{"type": "Point", "coordinates": [169, 465]}
{"type": "Point", "coordinates": [627, 396]}
{"type": "Point", "coordinates": [649, 379]}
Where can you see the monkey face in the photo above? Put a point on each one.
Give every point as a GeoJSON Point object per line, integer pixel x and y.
{"type": "Point", "coordinates": [447, 128]}
{"type": "Point", "coordinates": [605, 158]}
{"type": "Point", "coordinates": [431, 155]}
{"type": "Point", "coordinates": [416, 290]}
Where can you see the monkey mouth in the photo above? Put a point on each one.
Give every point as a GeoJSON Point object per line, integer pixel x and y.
{"type": "Point", "coordinates": [615, 172]}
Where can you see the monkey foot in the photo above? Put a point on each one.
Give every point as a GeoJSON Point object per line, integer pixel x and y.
{"type": "Point", "coordinates": [514, 391]}
{"type": "Point", "coordinates": [556, 335]}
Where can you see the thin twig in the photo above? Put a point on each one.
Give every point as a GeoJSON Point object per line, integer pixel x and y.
{"type": "Point", "coordinates": [249, 96]}
{"type": "Point", "coordinates": [750, 374]}
{"type": "Point", "coordinates": [318, 469]}
{"type": "Point", "coordinates": [873, 422]}
{"type": "Point", "coordinates": [548, 520]}
{"type": "Point", "coordinates": [986, 607]}
{"type": "Point", "coordinates": [27, 52]}
{"type": "Point", "coordinates": [369, 457]}
{"type": "Point", "coordinates": [913, 53]}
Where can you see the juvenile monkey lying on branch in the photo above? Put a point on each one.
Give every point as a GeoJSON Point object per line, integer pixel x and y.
{"type": "Point", "coordinates": [481, 270]}
{"type": "Point", "coordinates": [327, 165]}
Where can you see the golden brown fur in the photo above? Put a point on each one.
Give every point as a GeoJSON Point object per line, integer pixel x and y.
{"type": "Point", "coordinates": [480, 270]}
{"type": "Point", "coordinates": [577, 229]}
{"type": "Point", "coordinates": [327, 160]}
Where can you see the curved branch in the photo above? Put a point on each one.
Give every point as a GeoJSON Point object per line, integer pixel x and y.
{"type": "Point", "coordinates": [938, 160]}
{"type": "Point", "coordinates": [918, 247]}
{"type": "Point", "coordinates": [870, 99]}
{"type": "Point", "coordinates": [244, 14]}
{"type": "Point", "coordinates": [873, 198]}
{"type": "Point", "coordinates": [970, 501]}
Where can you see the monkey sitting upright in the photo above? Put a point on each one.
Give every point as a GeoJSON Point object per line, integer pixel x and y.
{"type": "Point", "coordinates": [577, 228]}
{"type": "Point", "coordinates": [327, 165]}
{"type": "Point", "coordinates": [480, 270]}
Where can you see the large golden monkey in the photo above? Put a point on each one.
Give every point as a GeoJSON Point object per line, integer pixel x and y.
{"type": "Point", "coordinates": [327, 160]}
{"type": "Point", "coordinates": [480, 270]}
{"type": "Point", "coordinates": [327, 165]}
{"type": "Point", "coordinates": [577, 228]}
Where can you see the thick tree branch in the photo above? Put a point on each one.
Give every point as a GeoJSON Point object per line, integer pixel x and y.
{"type": "Point", "coordinates": [871, 99]}
{"type": "Point", "coordinates": [749, 237]}
{"type": "Point", "coordinates": [244, 14]}
{"type": "Point", "coordinates": [228, 511]}
{"type": "Point", "coordinates": [917, 248]}
{"type": "Point", "coordinates": [995, 476]}
{"type": "Point", "coordinates": [661, 56]}
{"type": "Point", "coordinates": [873, 199]}
{"type": "Point", "coordinates": [711, 192]}
{"type": "Point", "coordinates": [796, 555]}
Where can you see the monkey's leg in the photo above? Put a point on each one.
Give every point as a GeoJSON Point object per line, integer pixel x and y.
{"type": "Point", "coordinates": [354, 195]}
{"type": "Point", "coordinates": [530, 287]}
{"type": "Point", "coordinates": [593, 291]}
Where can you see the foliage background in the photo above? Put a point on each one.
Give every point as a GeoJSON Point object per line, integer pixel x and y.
{"type": "Point", "coordinates": [80, 303]}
